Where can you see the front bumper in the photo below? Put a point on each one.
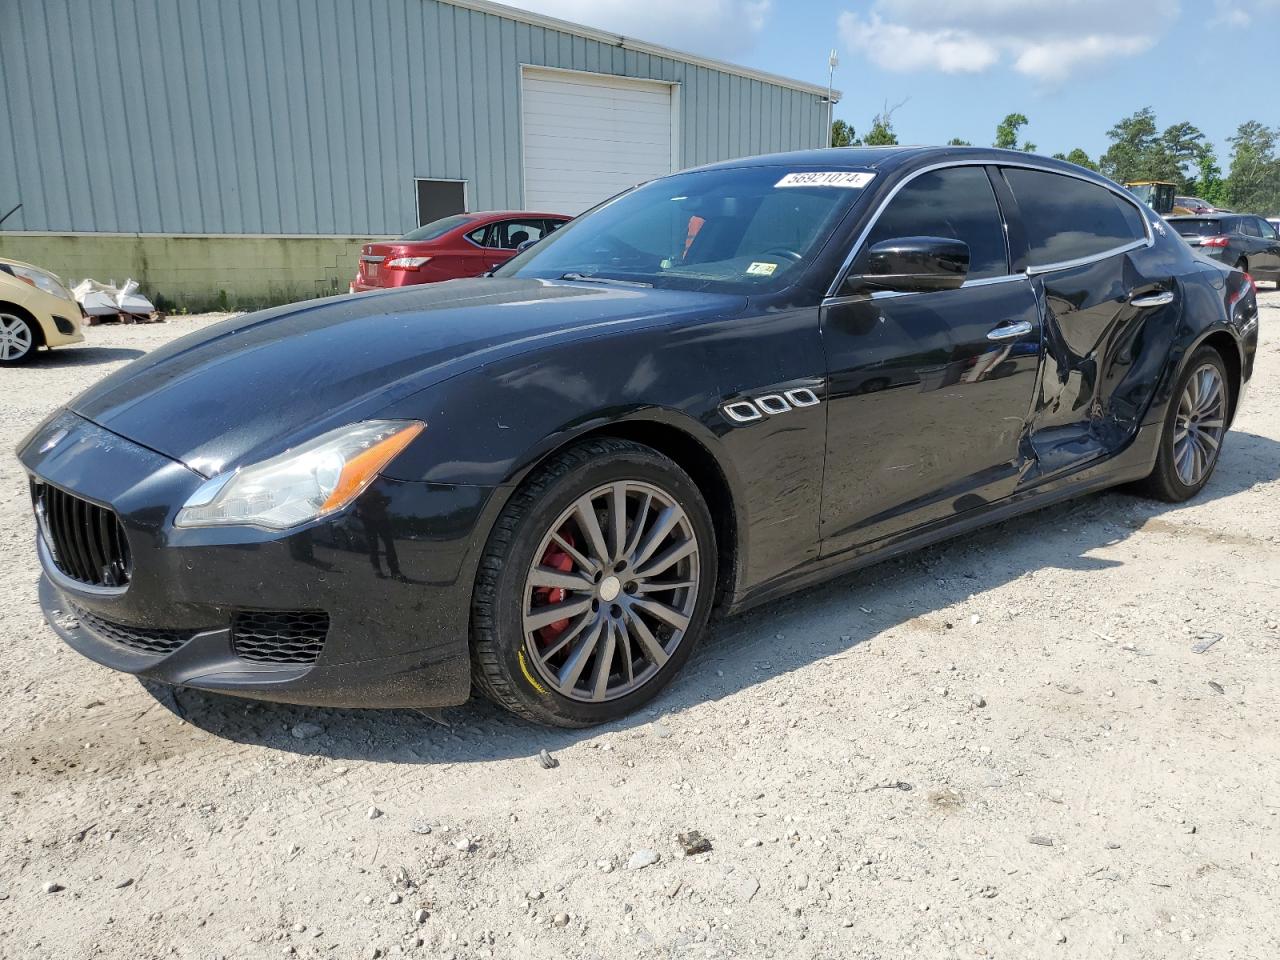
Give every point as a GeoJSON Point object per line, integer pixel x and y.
{"type": "Point", "coordinates": [393, 573]}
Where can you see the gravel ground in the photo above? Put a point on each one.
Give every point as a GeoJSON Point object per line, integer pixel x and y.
{"type": "Point", "coordinates": [1001, 747]}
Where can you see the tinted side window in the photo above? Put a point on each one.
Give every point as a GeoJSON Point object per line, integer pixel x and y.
{"type": "Point", "coordinates": [957, 203]}
{"type": "Point", "coordinates": [477, 235]}
{"type": "Point", "coordinates": [1066, 219]}
{"type": "Point", "coordinates": [512, 233]}
{"type": "Point", "coordinates": [1249, 228]}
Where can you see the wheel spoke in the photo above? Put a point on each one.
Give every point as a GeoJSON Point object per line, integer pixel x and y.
{"type": "Point", "coordinates": [667, 519]}
{"type": "Point", "coordinates": [649, 644]}
{"type": "Point", "coordinates": [1184, 463]}
{"type": "Point", "coordinates": [1210, 424]}
{"type": "Point", "coordinates": [568, 676]}
{"type": "Point", "coordinates": [617, 520]}
{"type": "Point", "coordinates": [666, 614]}
{"type": "Point", "coordinates": [541, 617]}
{"type": "Point", "coordinates": [604, 663]}
{"type": "Point", "coordinates": [659, 586]}
{"type": "Point", "coordinates": [585, 512]}
{"type": "Point", "coordinates": [574, 554]}
{"type": "Point", "coordinates": [637, 525]}
{"type": "Point", "coordinates": [1208, 439]}
{"type": "Point", "coordinates": [567, 637]}
{"type": "Point", "coordinates": [673, 554]}
{"type": "Point", "coordinates": [624, 644]}
{"type": "Point", "coordinates": [559, 580]}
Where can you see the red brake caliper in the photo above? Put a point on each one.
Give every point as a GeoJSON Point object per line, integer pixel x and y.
{"type": "Point", "coordinates": [556, 559]}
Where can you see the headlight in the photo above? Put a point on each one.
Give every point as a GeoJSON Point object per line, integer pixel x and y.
{"type": "Point", "coordinates": [301, 484]}
{"type": "Point", "coordinates": [42, 279]}
{"type": "Point", "coordinates": [406, 263]}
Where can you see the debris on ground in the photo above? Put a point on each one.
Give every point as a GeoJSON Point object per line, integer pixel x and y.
{"type": "Point", "coordinates": [1205, 641]}
{"type": "Point", "coordinates": [106, 303]}
{"type": "Point", "coordinates": [692, 843]}
{"type": "Point", "coordinates": [547, 761]}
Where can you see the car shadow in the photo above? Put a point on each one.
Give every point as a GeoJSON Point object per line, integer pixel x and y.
{"type": "Point", "coordinates": [76, 356]}
{"type": "Point", "coordinates": [826, 621]}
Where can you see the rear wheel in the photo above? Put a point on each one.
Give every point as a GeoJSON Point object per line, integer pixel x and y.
{"type": "Point", "coordinates": [1193, 431]}
{"type": "Point", "coordinates": [17, 339]}
{"type": "Point", "coordinates": [595, 585]}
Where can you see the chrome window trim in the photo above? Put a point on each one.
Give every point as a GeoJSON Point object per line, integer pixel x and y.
{"type": "Point", "coordinates": [894, 294]}
{"type": "Point", "coordinates": [845, 267]}
{"type": "Point", "coordinates": [1092, 258]}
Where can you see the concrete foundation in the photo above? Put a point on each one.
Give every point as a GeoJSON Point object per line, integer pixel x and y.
{"type": "Point", "coordinates": [197, 273]}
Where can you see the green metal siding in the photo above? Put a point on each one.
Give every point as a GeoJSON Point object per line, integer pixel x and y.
{"type": "Point", "coordinates": [306, 116]}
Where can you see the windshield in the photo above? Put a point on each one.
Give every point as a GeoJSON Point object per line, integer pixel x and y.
{"type": "Point", "coordinates": [438, 228]}
{"type": "Point", "coordinates": [1197, 228]}
{"type": "Point", "coordinates": [728, 231]}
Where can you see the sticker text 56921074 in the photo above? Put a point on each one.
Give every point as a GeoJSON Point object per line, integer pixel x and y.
{"type": "Point", "coordinates": [848, 179]}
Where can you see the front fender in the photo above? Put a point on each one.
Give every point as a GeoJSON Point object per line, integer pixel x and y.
{"type": "Point", "coordinates": [492, 425]}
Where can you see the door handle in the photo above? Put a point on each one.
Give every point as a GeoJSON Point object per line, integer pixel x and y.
{"type": "Point", "coordinates": [1162, 299]}
{"type": "Point", "coordinates": [1010, 331]}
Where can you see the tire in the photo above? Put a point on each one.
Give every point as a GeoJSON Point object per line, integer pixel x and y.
{"type": "Point", "coordinates": [520, 661]}
{"type": "Point", "coordinates": [18, 339]}
{"type": "Point", "coordinates": [1167, 480]}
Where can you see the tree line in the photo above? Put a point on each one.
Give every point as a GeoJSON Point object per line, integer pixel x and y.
{"type": "Point", "coordinates": [1140, 150]}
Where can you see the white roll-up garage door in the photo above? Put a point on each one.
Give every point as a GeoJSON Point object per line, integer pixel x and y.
{"type": "Point", "coordinates": [588, 136]}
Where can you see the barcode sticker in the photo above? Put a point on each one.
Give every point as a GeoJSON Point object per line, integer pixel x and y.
{"type": "Point", "coordinates": [833, 178]}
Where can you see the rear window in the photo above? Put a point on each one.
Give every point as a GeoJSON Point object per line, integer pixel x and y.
{"type": "Point", "coordinates": [437, 228]}
{"type": "Point", "coordinates": [1068, 219]}
{"type": "Point", "coordinates": [1197, 228]}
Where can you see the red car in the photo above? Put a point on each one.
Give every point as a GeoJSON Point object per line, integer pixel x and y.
{"type": "Point", "coordinates": [465, 245]}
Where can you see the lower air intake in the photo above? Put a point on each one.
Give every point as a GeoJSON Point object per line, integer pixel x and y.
{"type": "Point", "coordinates": [142, 639]}
{"type": "Point", "coordinates": [279, 636]}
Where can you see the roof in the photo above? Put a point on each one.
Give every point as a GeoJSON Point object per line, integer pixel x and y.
{"type": "Point", "coordinates": [888, 158]}
{"type": "Point", "coordinates": [639, 46]}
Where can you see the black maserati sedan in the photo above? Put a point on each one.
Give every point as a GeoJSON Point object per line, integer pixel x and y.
{"type": "Point", "coordinates": [713, 389]}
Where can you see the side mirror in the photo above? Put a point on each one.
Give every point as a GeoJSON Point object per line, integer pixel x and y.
{"type": "Point", "coordinates": [525, 245]}
{"type": "Point", "coordinates": [913, 265]}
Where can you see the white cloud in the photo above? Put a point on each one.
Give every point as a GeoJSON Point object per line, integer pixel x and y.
{"type": "Point", "coordinates": [1046, 40]}
{"type": "Point", "coordinates": [712, 27]}
{"type": "Point", "coordinates": [1242, 13]}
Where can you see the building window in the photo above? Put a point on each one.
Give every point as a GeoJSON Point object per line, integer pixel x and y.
{"type": "Point", "coordinates": [440, 198]}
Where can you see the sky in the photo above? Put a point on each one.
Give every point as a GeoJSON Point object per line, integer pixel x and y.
{"type": "Point", "coordinates": [957, 67]}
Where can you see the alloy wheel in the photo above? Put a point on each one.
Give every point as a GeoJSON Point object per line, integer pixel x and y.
{"type": "Point", "coordinates": [15, 337]}
{"type": "Point", "coordinates": [1199, 425]}
{"type": "Point", "coordinates": [611, 591]}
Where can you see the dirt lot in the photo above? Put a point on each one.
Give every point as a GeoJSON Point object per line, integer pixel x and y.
{"type": "Point", "coordinates": [1002, 747]}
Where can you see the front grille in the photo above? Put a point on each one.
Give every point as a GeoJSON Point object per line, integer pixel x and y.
{"type": "Point", "coordinates": [279, 636]}
{"type": "Point", "coordinates": [145, 639]}
{"type": "Point", "coordinates": [86, 541]}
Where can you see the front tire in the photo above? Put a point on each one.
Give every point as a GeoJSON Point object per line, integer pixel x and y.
{"type": "Point", "coordinates": [17, 339]}
{"type": "Point", "coordinates": [1194, 429]}
{"type": "Point", "coordinates": [595, 586]}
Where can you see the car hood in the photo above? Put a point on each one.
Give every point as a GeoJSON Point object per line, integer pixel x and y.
{"type": "Point", "coordinates": [255, 385]}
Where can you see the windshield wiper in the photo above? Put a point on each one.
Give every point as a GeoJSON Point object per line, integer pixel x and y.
{"type": "Point", "coordinates": [592, 278]}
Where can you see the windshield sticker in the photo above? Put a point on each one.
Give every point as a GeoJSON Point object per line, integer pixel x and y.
{"type": "Point", "coordinates": [833, 178]}
{"type": "Point", "coordinates": [761, 269]}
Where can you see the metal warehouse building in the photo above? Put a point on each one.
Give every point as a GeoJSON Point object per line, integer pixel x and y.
{"type": "Point", "coordinates": [240, 151]}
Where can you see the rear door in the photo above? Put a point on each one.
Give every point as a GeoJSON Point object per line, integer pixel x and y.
{"type": "Point", "coordinates": [1264, 248]}
{"type": "Point", "coordinates": [929, 394]}
{"type": "Point", "coordinates": [1086, 250]}
{"type": "Point", "coordinates": [509, 234]}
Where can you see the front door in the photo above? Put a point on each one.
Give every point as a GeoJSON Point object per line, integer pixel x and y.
{"type": "Point", "coordinates": [929, 394]}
